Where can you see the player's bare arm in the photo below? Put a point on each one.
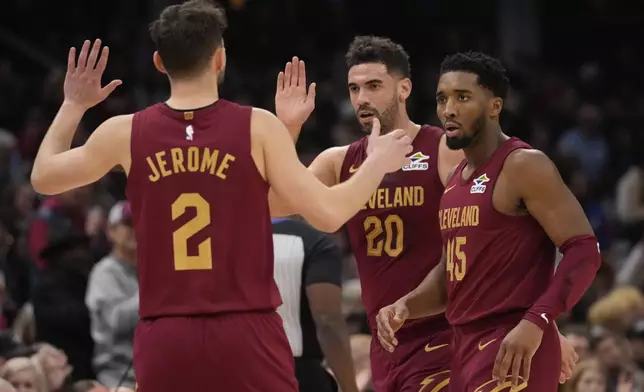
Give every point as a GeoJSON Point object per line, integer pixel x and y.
{"type": "Point", "coordinates": [293, 104]}
{"type": "Point", "coordinates": [428, 299]}
{"type": "Point", "coordinates": [58, 168]}
{"type": "Point", "coordinates": [325, 167]}
{"type": "Point", "coordinates": [325, 301]}
{"type": "Point", "coordinates": [448, 159]}
{"type": "Point", "coordinates": [534, 180]}
{"type": "Point", "coordinates": [325, 208]}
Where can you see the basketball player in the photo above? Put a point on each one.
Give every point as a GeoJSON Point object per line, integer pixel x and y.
{"type": "Point", "coordinates": [395, 238]}
{"type": "Point", "coordinates": [199, 170]}
{"type": "Point", "coordinates": [503, 212]}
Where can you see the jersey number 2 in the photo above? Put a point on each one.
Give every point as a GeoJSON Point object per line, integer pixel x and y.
{"type": "Point", "coordinates": [393, 246]}
{"type": "Point", "coordinates": [203, 259]}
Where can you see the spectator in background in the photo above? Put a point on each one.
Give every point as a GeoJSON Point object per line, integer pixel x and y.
{"type": "Point", "coordinates": [113, 300]}
{"type": "Point", "coordinates": [62, 318]}
{"type": "Point", "coordinates": [308, 273]}
{"type": "Point", "coordinates": [5, 386]}
{"type": "Point", "coordinates": [58, 217]}
{"type": "Point", "coordinates": [25, 376]}
{"type": "Point", "coordinates": [579, 339]}
{"type": "Point", "coordinates": [629, 201]}
{"type": "Point", "coordinates": [588, 376]}
{"type": "Point", "coordinates": [586, 143]}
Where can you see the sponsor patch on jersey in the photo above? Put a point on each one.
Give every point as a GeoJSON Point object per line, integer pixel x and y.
{"type": "Point", "coordinates": [417, 162]}
{"type": "Point", "coordinates": [479, 184]}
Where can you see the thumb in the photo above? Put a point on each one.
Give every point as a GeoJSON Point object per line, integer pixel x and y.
{"type": "Point", "coordinates": [107, 90]}
{"type": "Point", "coordinates": [400, 314]}
{"type": "Point", "coordinates": [375, 128]}
{"type": "Point", "coordinates": [311, 95]}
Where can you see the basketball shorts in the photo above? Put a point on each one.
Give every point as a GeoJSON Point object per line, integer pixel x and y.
{"type": "Point", "coordinates": [477, 345]}
{"type": "Point", "coordinates": [419, 363]}
{"type": "Point", "coordinates": [242, 352]}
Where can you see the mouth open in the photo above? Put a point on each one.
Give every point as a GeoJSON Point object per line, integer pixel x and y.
{"type": "Point", "coordinates": [453, 129]}
{"type": "Point", "coordinates": [366, 116]}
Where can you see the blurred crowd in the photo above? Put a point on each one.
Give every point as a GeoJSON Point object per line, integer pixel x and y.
{"type": "Point", "coordinates": [68, 291]}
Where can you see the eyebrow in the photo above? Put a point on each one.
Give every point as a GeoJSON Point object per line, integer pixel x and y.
{"type": "Point", "coordinates": [459, 91]}
{"type": "Point", "coordinates": [367, 82]}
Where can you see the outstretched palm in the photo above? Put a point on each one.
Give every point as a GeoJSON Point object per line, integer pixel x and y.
{"type": "Point", "coordinates": [293, 105]}
{"type": "Point", "coordinates": [83, 79]}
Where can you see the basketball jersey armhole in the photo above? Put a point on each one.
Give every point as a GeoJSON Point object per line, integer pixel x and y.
{"type": "Point", "coordinates": [503, 159]}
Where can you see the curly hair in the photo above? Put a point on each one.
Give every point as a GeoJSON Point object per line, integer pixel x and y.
{"type": "Point", "coordinates": [490, 71]}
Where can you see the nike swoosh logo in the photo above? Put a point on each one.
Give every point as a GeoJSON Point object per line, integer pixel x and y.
{"type": "Point", "coordinates": [483, 346]}
{"type": "Point", "coordinates": [429, 348]}
{"type": "Point", "coordinates": [449, 189]}
{"type": "Point", "coordinates": [353, 169]}
{"type": "Point", "coordinates": [545, 318]}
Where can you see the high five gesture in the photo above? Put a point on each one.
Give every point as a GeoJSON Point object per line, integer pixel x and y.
{"type": "Point", "coordinates": [293, 104]}
{"type": "Point", "coordinates": [83, 79]}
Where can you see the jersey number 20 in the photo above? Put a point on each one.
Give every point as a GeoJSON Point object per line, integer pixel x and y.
{"type": "Point", "coordinates": [203, 259]}
{"type": "Point", "coordinates": [392, 243]}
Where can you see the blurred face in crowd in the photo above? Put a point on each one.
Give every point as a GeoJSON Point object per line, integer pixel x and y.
{"type": "Point", "coordinates": [591, 380]}
{"type": "Point", "coordinates": [580, 344]}
{"type": "Point", "coordinates": [122, 237]}
{"type": "Point", "coordinates": [610, 353]}
{"type": "Point", "coordinates": [463, 107]}
{"type": "Point", "coordinates": [24, 380]}
{"type": "Point", "coordinates": [375, 92]}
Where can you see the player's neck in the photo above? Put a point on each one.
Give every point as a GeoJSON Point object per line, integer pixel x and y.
{"type": "Point", "coordinates": [482, 149]}
{"type": "Point", "coordinates": [193, 93]}
{"type": "Point", "coordinates": [407, 125]}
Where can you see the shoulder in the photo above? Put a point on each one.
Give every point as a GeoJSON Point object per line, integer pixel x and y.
{"type": "Point", "coordinates": [530, 168]}
{"type": "Point", "coordinates": [119, 127]}
{"type": "Point", "coordinates": [105, 266]}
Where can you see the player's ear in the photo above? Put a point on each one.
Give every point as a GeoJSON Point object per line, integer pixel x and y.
{"type": "Point", "coordinates": [496, 106]}
{"type": "Point", "coordinates": [404, 89]}
{"type": "Point", "coordinates": [219, 59]}
{"type": "Point", "coordinates": [158, 63]}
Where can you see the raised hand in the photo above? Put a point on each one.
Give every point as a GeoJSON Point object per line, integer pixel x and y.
{"type": "Point", "coordinates": [389, 320]}
{"type": "Point", "coordinates": [293, 105]}
{"type": "Point", "coordinates": [392, 148]}
{"type": "Point", "coordinates": [83, 79]}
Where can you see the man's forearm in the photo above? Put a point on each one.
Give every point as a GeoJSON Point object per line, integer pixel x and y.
{"type": "Point", "coordinates": [430, 297]}
{"type": "Point", "coordinates": [333, 335]}
{"type": "Point", "coordinates": [60, 134]}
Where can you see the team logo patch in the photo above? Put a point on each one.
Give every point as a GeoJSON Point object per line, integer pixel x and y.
{"type": "Point", "coordinates": [417, 162]}
{"type": "Point", "coordinates": [479, 184]}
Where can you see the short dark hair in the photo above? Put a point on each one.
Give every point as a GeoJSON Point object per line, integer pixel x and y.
{"type": "Point", "coordinates": [490, 71]}
{"type": "Point", "coordinates": [372, 49]}
{"type": "Point", "coordinates": [187, 35]}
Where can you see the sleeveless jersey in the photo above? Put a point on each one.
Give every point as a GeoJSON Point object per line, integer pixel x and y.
{"type": "Point", "coordinates": [395, 238]}
{"type": "Point", "coordinates": [497, 264]}
{"type": "Point", "coordinates": [200, 213]}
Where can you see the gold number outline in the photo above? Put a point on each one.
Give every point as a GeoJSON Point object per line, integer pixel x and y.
{"type": "Point", "coordinates": [203, 259]}
{"type": "Point", "coordinates": [453, 249]}
{"type": "Point", "coordinates": [373, 227]}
